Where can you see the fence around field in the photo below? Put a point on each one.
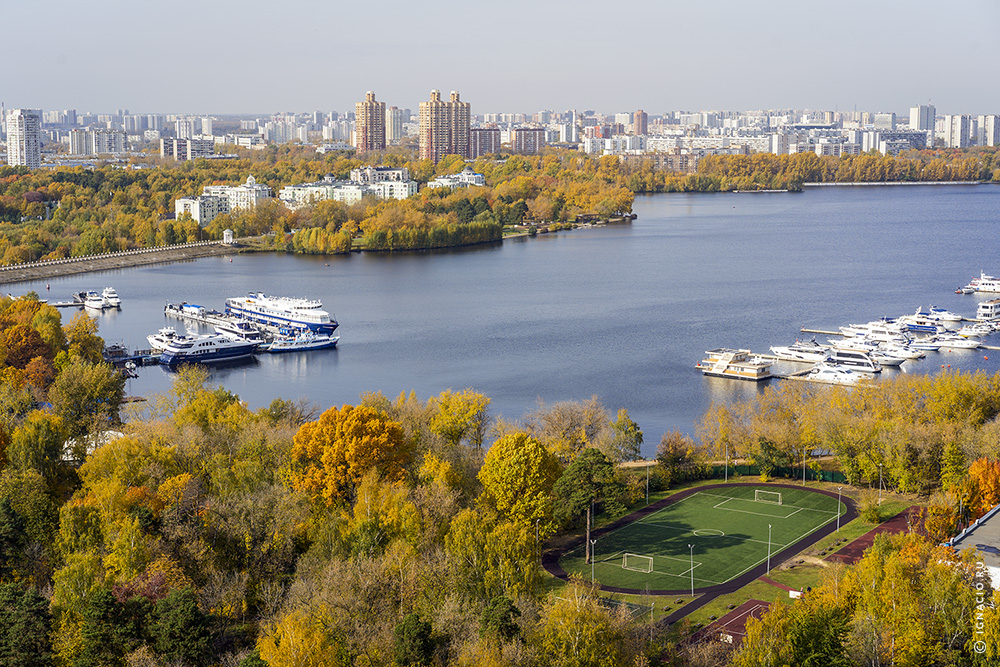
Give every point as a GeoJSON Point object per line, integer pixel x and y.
{"type": "Point", "coordinates": [786, 472]}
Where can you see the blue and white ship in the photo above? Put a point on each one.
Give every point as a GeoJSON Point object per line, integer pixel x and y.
{"type": "Point", "coordinates": [205, 349]}
{"type": "Point", "coordinates": [280, 312]}
{"type": "Point", "coordinates": [301, 340]}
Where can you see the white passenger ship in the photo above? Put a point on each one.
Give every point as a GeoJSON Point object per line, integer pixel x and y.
{"type": "Point", "coordinates": [280, 311]}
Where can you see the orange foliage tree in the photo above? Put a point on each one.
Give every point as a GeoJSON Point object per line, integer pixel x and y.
{"type": "Point", "coordinates": [332, 454]}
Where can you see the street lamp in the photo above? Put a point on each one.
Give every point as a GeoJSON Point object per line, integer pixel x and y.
{"type": "Point", "coordinates": [691, 547]}
{"type": "Point", "coordinates": [839, 488]}
{"type": "Point", "coordinates": [803, 466]}
{"type": "Point", "coordinates": [879, 483]}
{"type": "Point", "coordinates": [592, 559]}
{"type": "Point", "coordinates": [727, 462]}
{"type": "Point", "coordinates": [769, 548]}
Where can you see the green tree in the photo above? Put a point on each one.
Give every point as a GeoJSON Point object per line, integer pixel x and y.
{"type": "Point", "coordinates": [591, 478]}
{"type": "Point", "coordinates": [25, 627]}
{"type": "Point", "coordinates": [82, 338]}
{"type": "Point", "coordinates": [87, 396]}
{"type": "Point", "coordinates": [37, 444]}
{"type": "Point", "coordinates": [626, 438]}
{"type": "Point", "coordinates": [414, 644]}
{"type": "Point", "coordinates": [179, 629]}
{"type": "Point", "coordinates": [110, 630]}
{"type": "Point", "coordinates": [499, 619]}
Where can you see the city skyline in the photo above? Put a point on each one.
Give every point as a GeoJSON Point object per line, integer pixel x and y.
{"type": "Point", "coordinates": [731, 55]}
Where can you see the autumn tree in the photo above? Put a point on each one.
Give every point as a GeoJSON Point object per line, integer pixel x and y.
{"type": "Point", "coordinates": [625, 443]}
{"type": "Point", "coordinates": [87, 396]}
{"type": "Point", "coordinates": [517, 478]}
{"type": "Point", "coordinates": [82, 338]}
{"type": "Point", "coordinates": [459, 416]}
{"type": "Point", "coordinates": [591, 478]}
{"type": "Point", "coordinates": [332, 454]}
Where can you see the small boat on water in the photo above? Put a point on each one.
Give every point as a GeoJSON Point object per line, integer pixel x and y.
{"type": "Point", "coordinates": [739, 364]}
{"type": "Point", "coordinates": [956, 342]}
{"type": "Point", "coordinates": [111, 298]}
{"type": "Point", "coordinates": [242, 330]}
{"type": "Point", "coordinates": [299, 341]}
{"type": "Point", "coordinates": [205, 349]}
{"type": "Point", "coordinates": [923, 322]}
{"type": "Point", "coordinates": [943, 314]}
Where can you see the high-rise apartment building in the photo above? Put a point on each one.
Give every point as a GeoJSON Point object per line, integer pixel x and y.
{"type": "Point", "coordinates": [956, 131]}
{"type": "Point", "coordinates": [988, 131]}
{"type": "Point", "coordinates": [444, 127]}
{"type": "Point", "coordinates": [922, 117]}
{"type": "Point", "coordinates": [527, 141]}
{"type": "Point", "coordinates": [640, 123]}
{"type": "Point", "coordinates": [23, 142]}
{"type": "Point", "coordinates": [393, 125]}
{"type": "Point", "coordinates": [369, 124]}
{"type": "Point", "coordinates": [484, 141]}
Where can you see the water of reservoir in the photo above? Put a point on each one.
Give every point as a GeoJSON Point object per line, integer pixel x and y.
{"type": "Point", "coordinates": [623, 312]}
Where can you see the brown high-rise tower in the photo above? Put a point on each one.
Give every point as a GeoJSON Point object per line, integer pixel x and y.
{"type": "Point", "coordinates": [444, 127]}
{"type": "Point", "coordinates": [369, 124]}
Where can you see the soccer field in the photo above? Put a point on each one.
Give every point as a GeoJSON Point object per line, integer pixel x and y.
{"type": "Point", "coordinates": [727, 528]}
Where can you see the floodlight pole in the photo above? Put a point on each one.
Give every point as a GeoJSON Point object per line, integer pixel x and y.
{"type": "Point", "coordinates": [691, 547]}
{"type": "Point", "coordinates": [839, 488]}
{"type": "Point", "coordinates": [769, 548]}
{"type": "Point", "coordinates": [647, 482]}
{"type": "Point", "coordinates": [803, 466]}
{"type": "Point", "coordinates": [727, 462]}
{"type": "Point", "coordinates": [592, 559]}
{"type": "Point", "coordinates": [879, 483]}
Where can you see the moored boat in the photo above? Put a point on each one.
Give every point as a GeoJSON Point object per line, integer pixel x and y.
{"type": "Point", "coordinates": [158, 342]}
{"type": "Point", "coordinates": [300, 341]}
{"type": "Point", "coordinates": [111, 297]}
{"type": "Point", "coordinates": [827, 373]}
{"type": "Point", "coordinates": [801, 351]}
{"type": "Point", "coordinates": [205, 349]}
{"type": "Point", "coordinates": [94, 301]}
{"type": "Point", "coordinates": [739, 364]}
{"type": "Point", "coordinates": [279, 311]}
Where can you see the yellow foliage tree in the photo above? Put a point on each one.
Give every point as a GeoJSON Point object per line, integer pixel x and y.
{"type": "Point", "coordinates": [518, 476]}
{"type": "Point", "coordinates": [302, 639]}
{"type": "Point", "coordinates": [332, 454]}
{"type": "Point", "coordinates": [460, 415]}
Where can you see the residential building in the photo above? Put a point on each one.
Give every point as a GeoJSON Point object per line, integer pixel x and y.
{"type": "Point", "coordinates": [24, 146]}
{"type": "Point", "coordinates": [444, 127]}
{"type": "Point", "coordinates": [96, 142]}
{"type": "Point", "coordinates": [988, 131]}
{"type": "Point", "coordinates": [464, 179]}
{"type": "Point", "coordinates": [640, 123]}
{"type": "Point", "coordinates": [956, 131]}
{"type": "Point", "coordinates": [527, 141]}
{"type": "Point", "coordinates": [185, 128]}
{"type": "Point", "coordinates": [922, 117]}
{"type": "Point", "coordinates": [202, 209]}
{"type": "Point", "coordinates": [379, 174]}
{"type": "Point", "coordinates": [369, 124]}
{"type": "Point", "coordinates": [484, 141]}
{"type": "Point", "coordinates": [240, 197]}
{"type": "Point", "coordinates": [885, 121]}
{"type": "Point", "coordinates": [186, 149]}
{"type": "Point", "coordinates": [393, 126]}
{"type": "Point", "coordinates": [381, 182]}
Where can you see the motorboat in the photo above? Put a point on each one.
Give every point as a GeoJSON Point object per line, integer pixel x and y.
{"type": "Point", "coordinates": [158, 342]}
{"type": "Point", "coordinates": [801, 351]}
{"type": "Point", "coordinates": [925, 343]}
{"type": "Point", "coordinates": [923, 322]}
{"type": "Point", "coordinates": [205, 349]}
{"type": "Point", "coordinates": [957, 342]}
{"type": "Point", "coordinates": [977, 330]}
{"type": "Point", "coordinates": [280, 311]}
{"type": "Point", "coordinates": [873, 348]}
{"type": "Point", "coordinates": [828, 373]}
{"type": "Point", "coordinates": [242, 330]}
{"type": "Point", "coordinates": [885, 329]}
{"type": "Point", "coordinates": [302, 340]}
{"type": "Point", "coordinates": [856, 360]}
{"type": "Point", "coordinates": [988, 310]}
{"type": "Point", "coordinates": [739, 364]}
{"type": "Point", "coordinates": [111, 298]}
{"type": "Point", "coordinates": [94, 301]}
{"type": "Point", "coordinates": [943, 314]}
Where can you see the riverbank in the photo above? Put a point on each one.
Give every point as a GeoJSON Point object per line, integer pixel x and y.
{"type": "Point", "coordinates": [123, 260]}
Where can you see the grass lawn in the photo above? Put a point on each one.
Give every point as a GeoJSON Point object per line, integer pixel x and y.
{"type": "Point", "coordinates": [710, 537]}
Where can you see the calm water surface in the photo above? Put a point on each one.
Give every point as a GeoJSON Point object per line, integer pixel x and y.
{"type": "Point", "coordinates": [622, 312]}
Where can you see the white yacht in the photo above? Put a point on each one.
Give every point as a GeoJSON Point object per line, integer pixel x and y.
{"type": "Point", "coordinates": [943, 314]}
{"type": "Point", "coordinates": [94, 301]}
{"type": "Point", "coordinates": [881, 330]}
{"type": "Point", "coordinates": [158, 342]}
{"type": "Point", "coordinates": [801, 351]}
{"type": "Point", "coordinates": [242, 330]}
{"type": "Point", "coordinates": [988, 310]}
{"type": "Point", "coordinates": [302, 340]}
{"type": "Point", "coordinates": [873, 348]}
{"type": "Point", "coordinates": [856, 360]}
{"type": "Point", "coordinates": [826, 373]}
{"type": "Point", "coordinates": [957, 342]}
{"type": "Point", "coordinates": [111, 297]}
{"type": "Point", "coordinates": [923, 322]}
{"type": "Point", "coordinates": [985, 283]}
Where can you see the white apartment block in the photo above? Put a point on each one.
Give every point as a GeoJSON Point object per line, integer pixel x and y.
{"type": "Point", "coordinates": [988, 131]}
{"type": "Point", "coordinates": [23, 138]}
{"type": "Point", "coordinates": [240, 197]}
{"type": "Point", "coordinates": [956, 131]}
{"type": "Point", "coordinates": [464, 179]}
{"type": "Point", "coordinates": [380, 182]}
{"type": "Point", "coordinates": [922, 117]}
{"type": "Point", "coordinates": [378, 174]}
{"type": "Point", "coordinates": [202, 209]}
{"type": "Point", "coordinates": [96, 142]}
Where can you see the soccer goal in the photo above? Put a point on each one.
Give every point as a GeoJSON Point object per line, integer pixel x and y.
{"type": "Point", "coordinates": [771, 497]}
{"type": "Point", "coordinates": [637, 563]}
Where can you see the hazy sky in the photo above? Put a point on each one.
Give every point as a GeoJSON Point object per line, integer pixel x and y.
{"type": "Point", "coordinates": [224, 56]}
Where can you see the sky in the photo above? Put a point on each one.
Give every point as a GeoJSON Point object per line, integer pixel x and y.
{"type": "Point", "coordinates": [256, 57]}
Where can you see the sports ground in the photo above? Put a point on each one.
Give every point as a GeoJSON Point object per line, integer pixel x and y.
{"type": "Point", "coordinates": [707, 537]}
